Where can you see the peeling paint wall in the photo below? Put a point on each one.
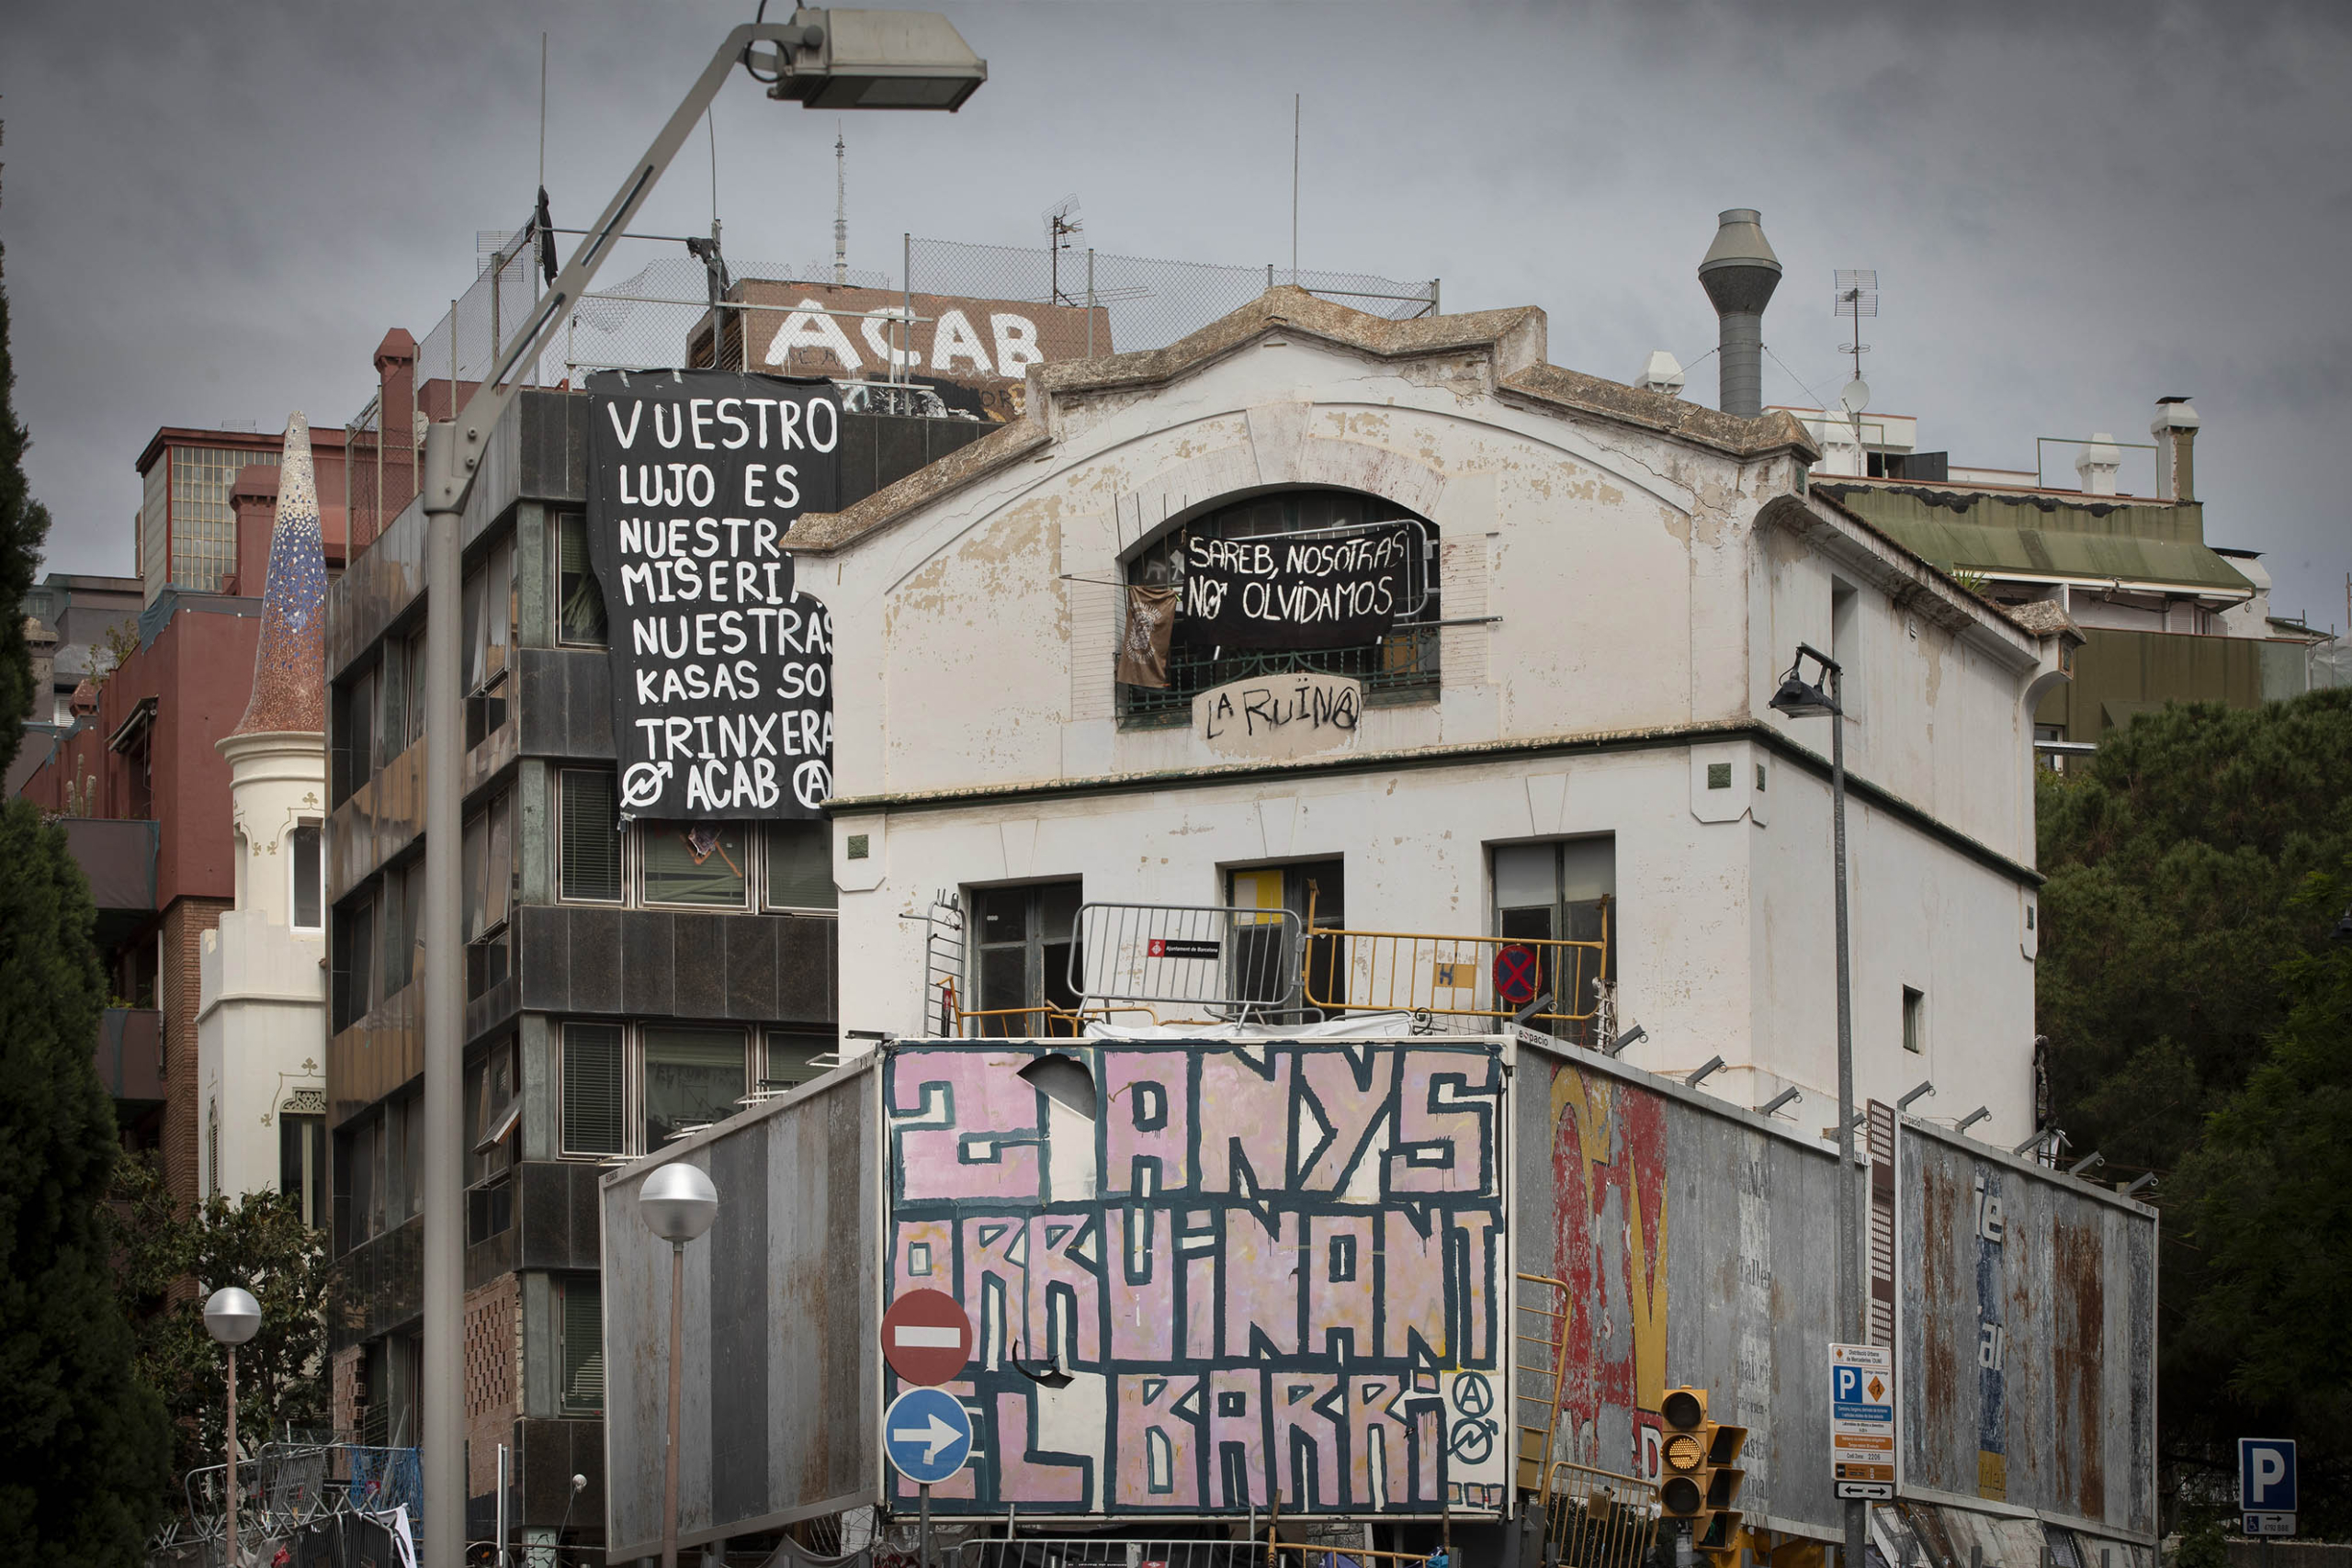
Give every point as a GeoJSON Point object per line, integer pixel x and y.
{"type": "Point", "coordinates": [1634, 595]}
{"type": "Point", "coordinates": [2025, 1334]}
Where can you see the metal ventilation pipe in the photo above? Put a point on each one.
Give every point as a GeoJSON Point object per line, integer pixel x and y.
{"type": "Point", "coordinates": [1739, 274]}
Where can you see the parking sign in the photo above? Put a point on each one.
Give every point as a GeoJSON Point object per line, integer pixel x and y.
{"type": "Point", "coordinates": [2266, 1475]}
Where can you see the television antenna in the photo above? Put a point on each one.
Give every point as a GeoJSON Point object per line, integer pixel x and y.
{"type": "Point", "coordinates": [841, 207]}
{"type": "Point", "coordinates": [1857, 298]}
{"type": "Point", "coordinates": [1062, 222]}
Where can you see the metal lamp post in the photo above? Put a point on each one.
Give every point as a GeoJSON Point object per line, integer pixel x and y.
{"type": "Point", "coordinates": [821, 59]}
{"type": "Point", "coordinates": [677, 1203]}
{"type": "Point", "coordinates": [1823, 698]}
{"type": "Point", "coordinates": [231, 1316]}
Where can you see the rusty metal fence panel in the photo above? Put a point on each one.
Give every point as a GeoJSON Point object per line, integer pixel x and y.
{"type": "Point", "coordinates": [1697, 1243]}
{"type": "Point", "coordinates": [781, 1370]}
{"type": "Point", "coordinates": [2026, 1337]}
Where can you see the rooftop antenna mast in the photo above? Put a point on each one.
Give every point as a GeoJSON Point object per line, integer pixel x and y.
{"type": "Point", "coordinates": [1857, 298]}
{"type": "Point", "coordinates": [1062, 222]}
{"type": "Point", "coordinates": [841, 208]}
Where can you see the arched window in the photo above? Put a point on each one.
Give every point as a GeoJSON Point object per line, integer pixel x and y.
{"type": "Point", "coordinates": [1399, 665]}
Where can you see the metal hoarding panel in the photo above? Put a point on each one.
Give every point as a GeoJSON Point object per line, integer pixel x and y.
{"type": "Point", "coordinates": [2026, 1337]}
{"type": "Point", "coordinates": [781, 1365]}
{"type": "Point", "coordinates": [1264, 1269]}
{"type": "Point", "coordinates": [1697, 1242]}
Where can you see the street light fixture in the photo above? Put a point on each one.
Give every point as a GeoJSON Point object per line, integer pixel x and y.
{"type": "Point", "coordinates": [1824, 697]}
{"type": "Point", "coordinates": [231, 1316]}
{"type": "Point", "coordinates": [677, 1203]}
{"type": "Point", "coordinates": [824, 58]}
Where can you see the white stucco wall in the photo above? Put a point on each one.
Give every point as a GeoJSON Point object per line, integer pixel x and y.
{"type": "Point", "coordinates": [261, 1019]}
{"type": "Point", "coordinates": [1644, 616]}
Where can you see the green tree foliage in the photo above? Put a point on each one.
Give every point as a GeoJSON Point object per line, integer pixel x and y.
{"type": "Point", "coordinates": [2187, 935]}
{"type": "Point", "coordinates": [2174, 859]}
{"type": "Point", "coordinates": [259, 1243]}
{"type": "Point", "coordinates": [83, 1448]}
{"type": "Point", "coordinates": [24, 526]}
{"type": "Point", "coordinates": [2267, 1201]}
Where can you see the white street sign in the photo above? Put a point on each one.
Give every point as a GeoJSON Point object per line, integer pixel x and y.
{"type": "Point", "coordinates": [1861, 1420]}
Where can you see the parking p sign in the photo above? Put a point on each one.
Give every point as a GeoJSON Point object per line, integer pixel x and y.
{"type": "Point", "coordinates": [2266, 1484]}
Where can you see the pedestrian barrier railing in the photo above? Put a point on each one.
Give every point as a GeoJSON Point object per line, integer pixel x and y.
{"type": "Point", "coordinates": [1597, 1519]}
{"type": "Point", "coordinates": [1497, 979]}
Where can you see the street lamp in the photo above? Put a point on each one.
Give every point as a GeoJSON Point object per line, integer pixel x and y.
{"type": "Point", "coordinates": [1822, 697]}
{"type": "Point", "coordinates": [677, 1203]}
{"type": "Point", "coordinates": [231, 1316]}
{"type": "Point", "coordinates": [823, 58]}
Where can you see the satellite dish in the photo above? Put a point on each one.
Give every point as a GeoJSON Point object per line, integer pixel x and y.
{"type": "Point", "coordinates": [1856, 396]}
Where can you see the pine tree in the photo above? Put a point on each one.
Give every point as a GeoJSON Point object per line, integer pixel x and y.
{"type": "Point", "coordinates": [24, 525]}
{"type": "Point", "coordinates": [84, 1447]}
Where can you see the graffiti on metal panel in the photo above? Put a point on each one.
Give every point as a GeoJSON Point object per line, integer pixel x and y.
{"type": "Point", "coordinates": [1263, 1272]}
{"type": "Point", "coordinates": [1608, 1169]}
{"type": "Point", "coordinates": [1992, 1337]}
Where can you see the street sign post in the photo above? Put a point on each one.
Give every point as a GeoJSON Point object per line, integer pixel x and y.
{"type": "Point", "coordinates": [1518, 972]}
{"type": "Point", "coordinates": [1861, 1421]}
{"type": "Point", "coordinates": [926, 1338]}
{"type": "Point", "coordinates": [927, 1434]}
{"type": "Point", "coordinates": [2267, 1486]}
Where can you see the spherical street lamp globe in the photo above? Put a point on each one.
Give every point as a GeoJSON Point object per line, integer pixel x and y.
{"type": "Point", "coordinates": [231, 1316]}
{"type": "Point", "coordinates": [678, 1203]}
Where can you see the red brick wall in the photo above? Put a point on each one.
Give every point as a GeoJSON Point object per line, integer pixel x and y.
{"type": "Point", "coordinates": [346, 1388]}
{"type": "Point", "coordinates": [184, 924]}
{"type": "Point", "coordinates": [493, 1374]}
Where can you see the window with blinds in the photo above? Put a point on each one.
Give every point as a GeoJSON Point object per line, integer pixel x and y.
{"type": "Point", "coordinates": [591, 866]}
{"type": "Point", "coordinates": [579, 614]}
{"type": "Point", "coordinates": [800, 866]}
{"type": "Point", "coordinates": [581, 1330]}
{"type": "Point", "coordinates": [593, 1061]}
{"type": "Point", "coordinates": [796, 1057]}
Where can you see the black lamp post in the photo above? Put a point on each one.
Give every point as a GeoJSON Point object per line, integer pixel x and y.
{"type": "Point", "coordinates": [1821, 697]}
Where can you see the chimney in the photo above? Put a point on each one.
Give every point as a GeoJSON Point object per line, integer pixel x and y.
{"type": "Point", "coordinates": [2100, 463]}
{"type": "Point", "coordinates": [1739, 274]}
{"type": "Point", "coordinates": [1662, 373]}
{"type": "Point", "coordinates": [2175, 433]}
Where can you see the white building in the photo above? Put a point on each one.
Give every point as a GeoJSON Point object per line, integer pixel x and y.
{"type": "Point", "coordinates": [261, 1015]}
{"type": "Point", "coordinates": [1622, 578]}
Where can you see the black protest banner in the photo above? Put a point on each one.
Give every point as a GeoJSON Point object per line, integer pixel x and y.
{"type": "Point", "coordinates": [1297, 591]}
{"type": "Point", "coordinates": [722, 671]}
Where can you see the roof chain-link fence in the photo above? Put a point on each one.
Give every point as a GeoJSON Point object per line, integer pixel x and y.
{"type": "Point", "coordinates": [661, 317]}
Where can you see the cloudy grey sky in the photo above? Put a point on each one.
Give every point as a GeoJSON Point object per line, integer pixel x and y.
{"type": "Point", "coordinates": [212, 213]}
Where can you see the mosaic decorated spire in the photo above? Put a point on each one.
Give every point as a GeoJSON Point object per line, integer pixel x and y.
{"type": "Point", "coordinates": [290, 667]}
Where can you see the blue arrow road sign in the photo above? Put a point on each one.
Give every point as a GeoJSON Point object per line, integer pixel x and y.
{"type": "Point", "coordinates": [927, 1434]}
{"type": "Point", "coordinates": [2266, 1475]}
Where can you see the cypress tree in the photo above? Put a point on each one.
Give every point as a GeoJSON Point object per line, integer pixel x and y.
{"type": "Point", "coordinates": [84, 1447]}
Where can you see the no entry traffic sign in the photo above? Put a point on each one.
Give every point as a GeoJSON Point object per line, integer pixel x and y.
{"type": "Point", "coordinates": [926, 1338]}
{"type": "Point", "coordinates": [1517, 974]}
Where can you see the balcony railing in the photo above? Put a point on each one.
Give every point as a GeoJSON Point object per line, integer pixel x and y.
{"type": "Point", "coordinates": [130, 1054]}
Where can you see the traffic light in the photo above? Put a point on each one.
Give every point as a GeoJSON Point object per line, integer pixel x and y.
{"type": "Point", "coordinates": [1701, 1475]}
{"type": "Point", "coordinates": [1719, 1535]}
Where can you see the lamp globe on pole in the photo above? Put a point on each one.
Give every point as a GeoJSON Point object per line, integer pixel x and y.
{"type": "Point", "coordinates": [231, 1316]}
{"type": "Point", "coordinates": [677, 1203]}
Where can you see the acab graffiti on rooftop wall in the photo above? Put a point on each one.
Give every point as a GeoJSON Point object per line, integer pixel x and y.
{"type": "Point", "coordinates": [1271, 1270]}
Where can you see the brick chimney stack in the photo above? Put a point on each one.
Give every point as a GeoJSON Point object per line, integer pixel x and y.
{"type": "Point", "coordinates": [2175, 433]}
